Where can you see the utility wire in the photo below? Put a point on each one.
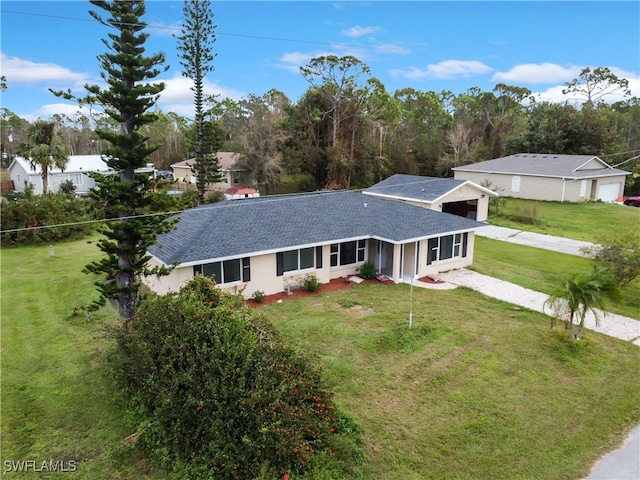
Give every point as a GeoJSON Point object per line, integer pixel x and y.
{"type": "Point", "coordinates": [178, 29]}
{"type": "Point", "coordinates": [241, 202]}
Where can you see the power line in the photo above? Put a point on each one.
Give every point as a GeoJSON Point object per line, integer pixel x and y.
{"type": "Point", "coordinates": [268, 199]}
{"type": "Point", "coordinates": [178, 29]}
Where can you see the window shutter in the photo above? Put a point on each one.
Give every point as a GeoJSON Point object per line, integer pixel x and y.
{"type": "Point", "coordinates": [197, 270]}
{"type": "Point", "coordinates": [246, 269]}
{"type": "Point", "coordinates": [318, 257]}
{"type": "Point", "coordinates": [279, 264]}
{"type": "Point", "coordinates": [465, 238]}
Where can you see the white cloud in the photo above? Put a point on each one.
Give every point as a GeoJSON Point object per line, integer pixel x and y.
{"type": "Point", "coordinates": [177, 95]}
{"type": "Point", "coordinates": [554, 94]}
{"type": "Point", "coordinates": [532, 73]}
{"type": "Point", "coordinates": [160, 29]}
{"type": "Point", "coordinates": [358, 31]}
{"type": "Point", "coordinates": [447, 69]}
{"type": "Point", "coordinates": [20, 71]}
{"type": "Point", "coordinates": [391, 48]}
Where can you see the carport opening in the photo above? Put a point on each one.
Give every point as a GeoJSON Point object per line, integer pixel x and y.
{"type": "Point", "coordinates": [468, 208]}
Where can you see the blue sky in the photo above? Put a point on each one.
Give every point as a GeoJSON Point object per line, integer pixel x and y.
{"type": "Point", "coordinates": [445, 45]}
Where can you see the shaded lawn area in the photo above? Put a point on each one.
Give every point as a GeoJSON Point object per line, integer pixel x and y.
{"type": "Point", "coordinates": [477, 389]}
{"type": "Point", "coordinates": [542, 270]}
{"type": "Point", "coordinates": [57, 404]}
{"type": "Point", "coordinates": [580, 221]}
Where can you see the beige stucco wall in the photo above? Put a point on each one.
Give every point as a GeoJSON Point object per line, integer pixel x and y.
{"type": "Point", "coordinates": [169, 283]}
{"type": "Point", "coordinates": [462, 194]}
{"type": "Point", "coordinates": [264, 276]}
{"type": "Point", "coordinates": [422, 269]}
{"type": "Point", "coordinates": [183, 174]}
{"type": "Point", "coordinates": [542, 188]}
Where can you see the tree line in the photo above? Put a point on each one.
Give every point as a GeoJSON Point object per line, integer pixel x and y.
{"type": "Point", "coordinates": [347, 131]}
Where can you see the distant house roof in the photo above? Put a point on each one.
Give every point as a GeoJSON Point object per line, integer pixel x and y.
{"type": "Point", "coordinates": [260, 225]}
{"type": "Point", "coordinates": [545, 165]}
{"type": "Point", "coordinates": [76, 164]}
{"type": "Point", "coordinates": [226, 159]}
{"type": "Point", "coordinates": [418, 188]}
{"type": "Point", "coordinates": [240, 191]}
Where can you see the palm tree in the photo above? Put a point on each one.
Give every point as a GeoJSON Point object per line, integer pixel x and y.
{"type": "Point", "coordinates": [579, 294]}
{"type": "Point", "coordinates": [44, 148]}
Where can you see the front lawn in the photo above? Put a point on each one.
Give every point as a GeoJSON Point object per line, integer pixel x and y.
{"type": "Point", "coordinates": [477, 389]}
{"type": "Point", "coordinates": [580, 221]}
{"type": "Point", "coordinates": [57, 404]}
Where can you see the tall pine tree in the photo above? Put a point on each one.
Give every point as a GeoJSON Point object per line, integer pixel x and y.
{"type": "Point", "coordinates": [127, 100]}
{"type": "Point", "coordinates": [195, 51]}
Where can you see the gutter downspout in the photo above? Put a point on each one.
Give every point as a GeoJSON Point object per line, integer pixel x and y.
{"type": "Point", "coordinates": [564, 185]}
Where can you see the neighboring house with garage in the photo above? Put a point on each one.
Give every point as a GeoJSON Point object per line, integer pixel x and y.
{"type": "Point", "coordinates": [184, 172]}
{"type": "Point", "coordinates": [459, 197]}
{"type": "Point", "coordinates": [561, 178]}
{"type": "Point", "coordinates": [273, 243]}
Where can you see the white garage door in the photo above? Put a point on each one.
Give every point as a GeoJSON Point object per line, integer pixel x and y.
{"type": "Point", "coordinates": [609, 192]}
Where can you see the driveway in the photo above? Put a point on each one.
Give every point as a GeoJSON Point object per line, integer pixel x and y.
{"type": "Point", "coordinates": [537, 240]}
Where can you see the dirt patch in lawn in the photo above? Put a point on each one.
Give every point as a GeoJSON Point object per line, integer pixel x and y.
{"type": "Point", "coordinates": [334, 285]}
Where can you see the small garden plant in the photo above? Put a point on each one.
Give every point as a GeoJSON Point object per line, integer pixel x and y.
{"type": "Point", "coordinates": [258, 296]}
{"type": "Point", "coordinates": [368, 271]}
{"type": "Point", "coordinates": [311, 283]}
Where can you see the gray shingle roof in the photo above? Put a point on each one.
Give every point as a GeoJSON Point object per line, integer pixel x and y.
{"type": "Point", "coordinates": [245, 227]}
{"type": "Point", "coordinates": [415, 187]}
{"type": "Point", "coordinates": [546, 165]}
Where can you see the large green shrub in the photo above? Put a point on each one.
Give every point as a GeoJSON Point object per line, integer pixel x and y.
{"type": "Point", "coordinates": [28, 214]}
{"type": "Point", "coordinates": [217, 394]}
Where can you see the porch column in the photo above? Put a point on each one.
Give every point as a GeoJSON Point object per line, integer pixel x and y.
{"type": "Point", "coordinates": [397, 261]}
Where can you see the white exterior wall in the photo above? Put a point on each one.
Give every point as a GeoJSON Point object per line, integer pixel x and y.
{"type": "Point", "coordinates": [19, 175]}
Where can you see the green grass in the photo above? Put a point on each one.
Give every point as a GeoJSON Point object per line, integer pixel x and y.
{"type": "Point", "coordinates": [477, 389]}
{"type": "Point", "coordinates": [57, 404]}
{"type": "Point", "coordinates": [581, 221]}
{"type": "Point", "coordinates": [542, 270]}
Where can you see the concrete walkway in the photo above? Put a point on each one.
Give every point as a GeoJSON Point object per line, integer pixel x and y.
{"type": "Point", "coordinates": [611, 324]}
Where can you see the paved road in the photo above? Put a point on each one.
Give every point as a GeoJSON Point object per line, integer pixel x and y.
{"type": "Point", "coordinates": [621, 464]}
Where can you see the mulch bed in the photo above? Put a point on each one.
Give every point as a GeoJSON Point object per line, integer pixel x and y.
{"type": "Point", "coordinates": [334, 285]}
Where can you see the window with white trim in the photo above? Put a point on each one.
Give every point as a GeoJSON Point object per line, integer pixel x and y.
{"type": "Point", "coordinates": [298, 260]}
{"type": "Point", "coordinates": [583, 188]}
{"type": "Point", "coordinates": [76, 178]}
{"type": "Point", "coordinates": [447, 247]}
{"type": "Point", "coordinates": [515, 184]}
{"type": "Point", "coordinates": [348, 253]}
{"type": "Point", "coordinates": [227, 271]}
